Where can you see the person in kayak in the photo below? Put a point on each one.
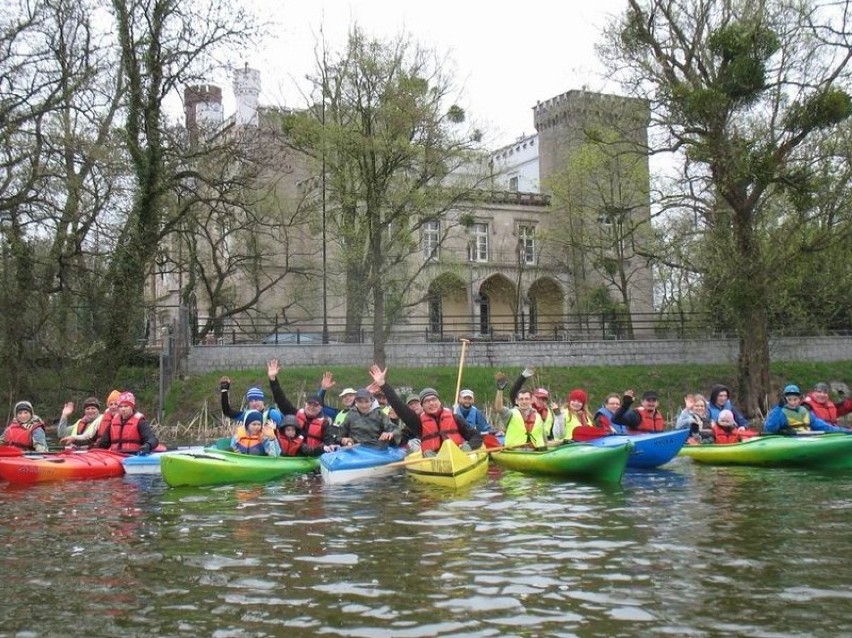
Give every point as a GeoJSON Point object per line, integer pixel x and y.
{"type": "Point", "coordinates": [604, 414]}
{"type": "Point", "coordinates": [367, 423]}
{"type": "Point", "coordinates": [26, 430]}
{"type": "Point", "coordinates": [726, 430]}
{"type": "Point", "coordinates": [574, 420]}
{"type": "Point", "coordinates": [694, 416]}
{"type": "Point", "coordinates": [470, 413]}
{"type": "Point", "coordinates": [290, 440]}
{"type": "Point", "coordinates": [128, 431]}
{"type": "Point", "coordinates": [524, 426]}
{"type": "Point", "coordinates": [791, 418]}
{"type": "Point", "coordinates": [435, 423]}
{"type": "Point", "coordinates": [819, 402]}
{"type": "Point", "coordinates": [84, 432]}
{"type": "Point", "coordinates": [109, 414]}
{"type": "Point", "coordinates": [255, 436]}
{"type": "Point", "coordinates": [255, 400]}
{"type": "Point", "coordinates": [642, 420]}
{"type": "Point", "coordinates": [720, 399]}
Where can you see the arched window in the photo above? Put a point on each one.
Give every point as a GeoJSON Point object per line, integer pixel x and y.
{"type": "Point", "coordinates": [436, 321]}
{"type": "Point", "coordinates": [484, 313]}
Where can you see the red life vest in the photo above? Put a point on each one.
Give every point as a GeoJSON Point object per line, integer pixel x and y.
{"type": "Point", "coordinates": [652, 420]}
{"type": "Point", "coordinates": [106, 421]}
{"type": "Point", "coordinates": [312, 430]}
{"type": "Point", "coordinates": [724, 437]}
{"type": "Point", "coordinates": [826, 411]}
{"type": "Point", "coordinates": [19, 436]}
{"type": "Point", "coordinates": [433, 431]}
{"type": "Point", "coordinates": [290, 447]}
{"type": "Point", "coordinates": [124, 435]}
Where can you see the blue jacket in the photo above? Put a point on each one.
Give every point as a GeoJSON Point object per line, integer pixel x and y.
{"type": "Point", "coordinates": [474, 418]}
{"type": "Point", "coordinates": [713, 410]}
{"type": "Point", "coordinates": [777, 422]}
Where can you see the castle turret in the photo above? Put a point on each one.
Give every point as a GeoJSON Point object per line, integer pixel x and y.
{"type": "Point", "coordinates": [247, 93]}
{"type": "Point", "coordinates": [202, 106]}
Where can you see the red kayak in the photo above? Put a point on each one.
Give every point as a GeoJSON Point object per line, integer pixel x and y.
{"type": "Point", "coordinates": [35, 468]}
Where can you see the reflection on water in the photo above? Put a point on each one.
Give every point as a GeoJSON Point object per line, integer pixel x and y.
{"type": "Point", "coordinates": [687, 550]}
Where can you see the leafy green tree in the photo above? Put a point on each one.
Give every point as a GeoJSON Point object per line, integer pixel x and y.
{"type": "Point", "coordinates": [738, 88]}
{"type": "Point", "coordinates": [389, 141]}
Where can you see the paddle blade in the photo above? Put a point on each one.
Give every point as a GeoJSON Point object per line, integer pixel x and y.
{"type": "Point", "coordinates": [490, 440]}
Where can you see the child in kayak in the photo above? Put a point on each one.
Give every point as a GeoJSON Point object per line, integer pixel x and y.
{"type": "Point", "coordinates": [254, 437]}
{"type": "Point", "coordinates": [790, 417]}
{"type": "Point", "coordinates": [726, 430]}
{"type": "Point", "coordinates": [26, 431]}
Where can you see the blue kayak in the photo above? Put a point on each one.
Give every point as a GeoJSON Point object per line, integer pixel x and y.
{"type": "Point", "coordinates": [359, 462]}
{"type": "Point", "coordinates": [649, 450]}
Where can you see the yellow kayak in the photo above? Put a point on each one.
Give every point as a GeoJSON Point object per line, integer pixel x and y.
{"type": "Point", "coordinates": [450, 467]}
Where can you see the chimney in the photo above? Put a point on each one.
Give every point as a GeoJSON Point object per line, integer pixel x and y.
{"type": "Point", "coordinates": [246, 92]}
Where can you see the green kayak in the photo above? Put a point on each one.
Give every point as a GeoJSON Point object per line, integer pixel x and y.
{"type": "Point", "coordinates": [570, 460]}
{"type": "Point", "coordinates": [217, 467]}
{"type": "Point", "coordinates": [824, 451]}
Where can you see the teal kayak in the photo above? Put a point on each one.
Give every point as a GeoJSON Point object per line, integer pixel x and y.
{"type": "Point", "coordinates": [570, 460]}
{"type": "Point", "coordinates": [824, 451]}
{"type": "Point", "coordinates": [218, 467]}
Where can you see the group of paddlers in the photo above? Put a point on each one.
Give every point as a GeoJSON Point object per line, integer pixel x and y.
{"type": "Point", "coordinates": [120, 427]}
{"type": "Point", "coordinates": [377, 415]}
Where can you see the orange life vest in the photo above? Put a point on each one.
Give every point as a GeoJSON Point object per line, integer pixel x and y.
{"type": "Point", "coordinates": [124, 435]}
{"type": "Point", "coordinates": [724, 437]}
{"type": "Point", "coordinates": [21, 436]}
{"type": "Point", "coordinates": [249, 443]}
{"type": "Point", "coordinates": [434, 431]}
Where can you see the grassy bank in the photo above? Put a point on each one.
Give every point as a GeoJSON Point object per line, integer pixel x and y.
{"type": "Point", "coordinates": [196, 400]}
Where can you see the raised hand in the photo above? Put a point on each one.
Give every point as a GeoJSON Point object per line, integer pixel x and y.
{"type": "Point", "coordinates": [689, 401]}
{"type": "Point", "coordinates": [224, 384]}
{"type": "Point", "coordinates": [630, 393]}
{"type": "Point", "coordinates": [68, 409]}
{"type": "Point", "coordinates": [273, 367]}
{"type": "Point", "coordinates": [528, 372]}
{"type": "Point", "coordinates": [378, 375]}
{"type": "Point", "coordinates": [327, 381]}
{"type": "Point", "coordinates": [501, 380]}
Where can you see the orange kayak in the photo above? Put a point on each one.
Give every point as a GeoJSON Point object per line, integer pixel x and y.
{"type": "Point", "coordinates": [35, 468]}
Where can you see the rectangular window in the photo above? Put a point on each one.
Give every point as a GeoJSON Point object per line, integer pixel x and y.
{"type": "Point", "coordinates": [526, 244]}
{"type": "Point", "coordinates": [513, 183]}
{"type": "Point", "coordinates": [431, 239]}
{"type": "Point", "coordinates": [477, 249]}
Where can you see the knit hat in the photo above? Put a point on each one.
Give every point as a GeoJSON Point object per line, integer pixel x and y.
{"type": "Point", "coordinates": [466, 393]}
{"type": "Point", "coordinates": [425, 393]}
{"type": "Point", "coordinates": [822, 387]}
{"type": "Point", "coordinates": [24, 405]}
{"type": "Point", "coordinates": [541, 393]}
{"type": "Point", "coordinates": [250, 416]}
{"type": "Point", "coordinates": [412, 397]}
{"type": "Point", "coordinates": [792, 389]}
{"type": "Point", "coordinates": [113, 396]}
{"type": "Point", "coordinates": [363, 393]}
{"type": "Point", "coordinates": [578, 395]}
{"type": "Point", "coordinates": [92, 401]}
{"type": "Point", "coordinates": [289, 419]}
{"type": "Point", "coordinates": [127, 398]}
{"type": "Point", "coordinates": [254, 394]}
{"type": "Point", "coordinates": [347, 391]}
{"type": "Point", "coordinates": [726, 417]}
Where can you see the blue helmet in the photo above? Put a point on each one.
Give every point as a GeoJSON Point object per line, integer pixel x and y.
{"type": "Point", "coordinates": [792, 389]}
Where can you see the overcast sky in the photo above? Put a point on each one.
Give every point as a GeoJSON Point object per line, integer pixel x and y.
{"type": "Point", "coordinates": [506, 56]}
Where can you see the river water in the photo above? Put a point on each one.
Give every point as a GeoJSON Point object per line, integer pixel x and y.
{"type": "Point", "coordinates": [681, 551]}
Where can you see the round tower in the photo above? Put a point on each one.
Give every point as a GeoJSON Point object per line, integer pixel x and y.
{"type": "Point", "coordinates": [246, 93]}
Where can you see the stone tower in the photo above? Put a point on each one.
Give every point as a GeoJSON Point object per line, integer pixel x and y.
{"type": "Point", "coordinates": [565, 124]}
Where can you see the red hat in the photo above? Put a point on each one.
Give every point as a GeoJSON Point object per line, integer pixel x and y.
{"type": "Point", "coordinates": [578, 395]}
{"type": "Point", "coordinates": [127, 397]}
{"type": "Point", "coordinates": [541, 393]}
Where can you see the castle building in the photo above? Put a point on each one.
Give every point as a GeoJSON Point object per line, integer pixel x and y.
{"type": "Point", "coordinates": [521, 266]}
